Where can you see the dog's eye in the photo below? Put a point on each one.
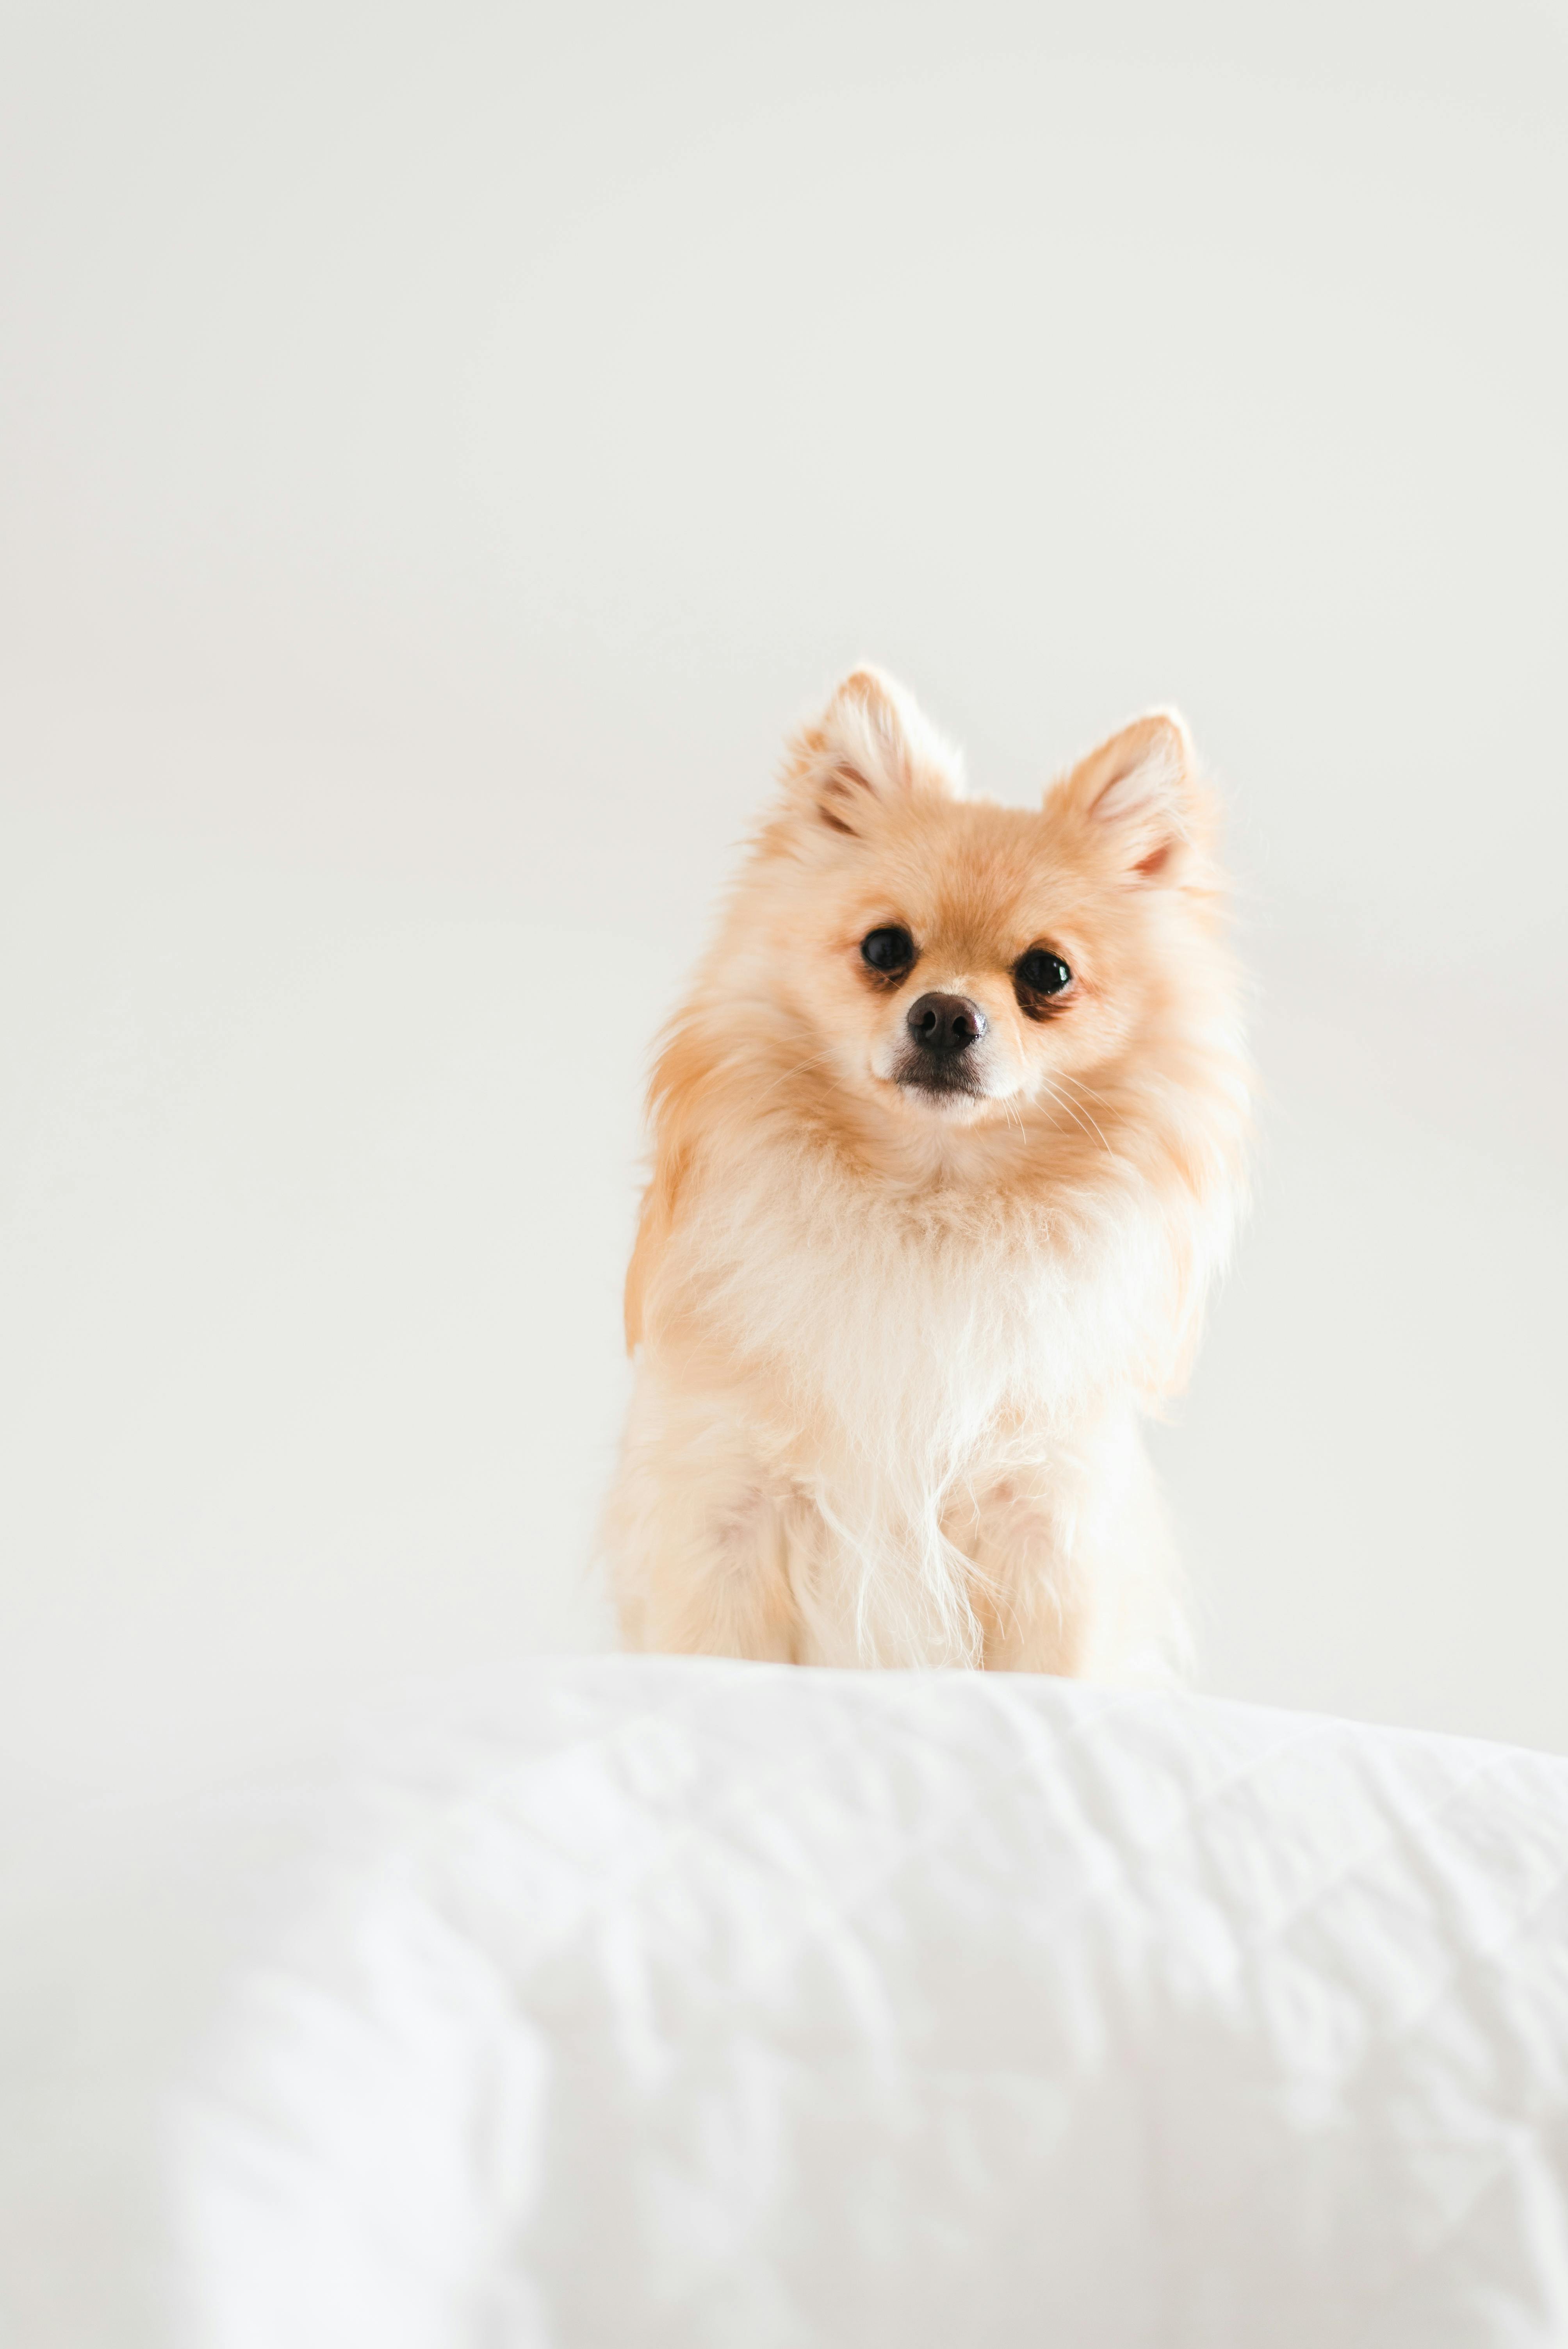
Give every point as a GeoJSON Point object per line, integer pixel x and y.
{"type": "Point", "coordinates": [1040, 973]}
{"type": "Point", "coordinates": [888, 950]}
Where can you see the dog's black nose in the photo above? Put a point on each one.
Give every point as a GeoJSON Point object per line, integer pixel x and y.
{"type": "Point", "coordinates": [944, 1024]}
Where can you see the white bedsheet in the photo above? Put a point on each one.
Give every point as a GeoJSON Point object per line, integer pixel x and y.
{"type": "Point", "coordinates": [645, 2002]}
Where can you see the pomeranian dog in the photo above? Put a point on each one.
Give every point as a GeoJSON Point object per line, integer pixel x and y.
{"type": "Point", "coordinates": [948, 1145]}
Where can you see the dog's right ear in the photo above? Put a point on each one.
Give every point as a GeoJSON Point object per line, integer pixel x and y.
{"type": "Point", "coordinates": [870, 746]}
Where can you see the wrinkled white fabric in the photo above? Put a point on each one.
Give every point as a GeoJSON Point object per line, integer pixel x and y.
{"type": "Point", "coordinates": [730, 2006]}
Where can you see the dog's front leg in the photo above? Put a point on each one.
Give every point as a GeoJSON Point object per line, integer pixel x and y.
{"type": "Point", "coordinates": [1075, 1568]}
{"type": "Point", "coordinates": [1028, 1594]}
{"type": "Point", "coordinates": [700, 1541]}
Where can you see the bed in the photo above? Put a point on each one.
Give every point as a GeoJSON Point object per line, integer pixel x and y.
{"type": "Point", "coordinates": [697, 2003]}
{"type": "Point", "coordinates": [664, 2001]}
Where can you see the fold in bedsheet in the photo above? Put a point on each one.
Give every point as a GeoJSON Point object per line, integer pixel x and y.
{"type": "Point", "coordinates": [690, 2003]}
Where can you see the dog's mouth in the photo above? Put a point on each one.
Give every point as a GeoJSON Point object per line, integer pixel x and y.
{"type": "Point", "coordinates": [938, 1080]}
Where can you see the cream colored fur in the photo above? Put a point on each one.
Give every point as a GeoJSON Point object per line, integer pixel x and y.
{"type": "Point", "coordinates": [893, 1347]}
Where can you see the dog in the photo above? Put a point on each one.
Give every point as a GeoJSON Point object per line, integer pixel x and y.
{"type": "Point", "coordinates": [949, 1145]}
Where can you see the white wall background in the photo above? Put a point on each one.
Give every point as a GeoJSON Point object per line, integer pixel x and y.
{"type": "Point", "coordinates": [443, 449]}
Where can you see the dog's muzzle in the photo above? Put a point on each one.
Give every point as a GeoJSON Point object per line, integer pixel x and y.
{"type": "Point", "coordinates": [943, 1029]}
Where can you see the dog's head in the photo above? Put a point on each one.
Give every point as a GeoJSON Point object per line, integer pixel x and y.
{"type": "Point", "coordinates": [954, 960]}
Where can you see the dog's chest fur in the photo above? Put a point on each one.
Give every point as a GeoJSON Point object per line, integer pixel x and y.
{"type": "Point", "coordinates": [909, 1333]}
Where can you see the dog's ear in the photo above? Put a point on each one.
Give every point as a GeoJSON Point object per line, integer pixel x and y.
{"type": "Point", "coordinates": [1140, 794]}
{"type": "Point", "coordinates": [871, 746]}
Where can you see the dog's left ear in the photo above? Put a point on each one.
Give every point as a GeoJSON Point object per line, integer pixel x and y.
{"type": "Point", "coordinates": [1140, 794]}
{"type": "Point", "coordinates": [870, 746]}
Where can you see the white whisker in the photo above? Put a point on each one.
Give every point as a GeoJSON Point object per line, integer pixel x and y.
{"type": "Point", "coordinates": [1062, 1102]}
